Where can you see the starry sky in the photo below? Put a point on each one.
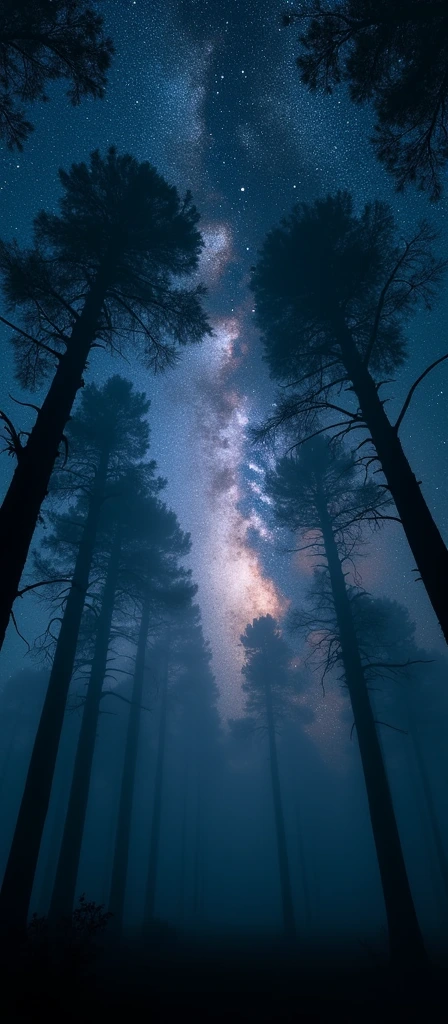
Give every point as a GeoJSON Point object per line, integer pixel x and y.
{"type": "Point", "coordinates": [208, 92]}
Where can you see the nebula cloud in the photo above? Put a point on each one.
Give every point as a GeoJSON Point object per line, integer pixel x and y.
{"type": "Point", "coordinates": [234, 586]}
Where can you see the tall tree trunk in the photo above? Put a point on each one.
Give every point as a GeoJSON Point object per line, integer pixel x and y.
{"type": "Point", "coordinates": [429, 799]}
{"type": "Point", "coordinates": [19, 512]}
{"type": "Point", "coordinates": [53, 847]}
{"type": "Point", "coordinates": [183, 850]}
{"type": "Point", "coordinates": [9, 751]}
{"type": "Point", "coordinates": [157, 805]}
{"type": "Point", "coordinates": [64, 889]}
{"type": "Point", "coordinates": [285, 879]}
{"type": "Point", "coordinates": [197, 854]}
{"type": "Point", "coordinates": [304, 874]}
{"type": "Point", "coordinates": [124, 818]}
{"type": "Point", "coordinates": [424, 538]}
{"type": "Point", "coordinates": [20, 870]}
{"type": "Point", "coordinates": [406, 942]}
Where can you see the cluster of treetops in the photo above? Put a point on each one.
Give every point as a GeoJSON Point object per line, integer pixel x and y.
{"type": "Point", "coordinates": [334, 286]}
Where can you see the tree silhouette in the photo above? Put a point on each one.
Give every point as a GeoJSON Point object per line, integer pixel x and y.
{"type": "Point", "coordinates": [394, 55]}
{"type": "Point", "coordinates": [45, 40]}
{"type": "Point", "coordinates": [164, 587]}
{"type": "Point", "coordinates": [196, 730]}
{"type": "Point", "coordinates": [318, 496]}
{"type": "Point", "coordinates": [141, 533]}
{"type": "Point", "coordinates": [101, 273]}
{"type": "Point", "coordinates": [109, 435]}
{"type": "Point", "coordinates": [268, 678]}
{"type": "Point", "coordinates": [333, 293]}
{"type": "Point", "coordinates": [414, 696]}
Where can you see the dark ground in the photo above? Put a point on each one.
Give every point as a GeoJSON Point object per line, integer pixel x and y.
{"type": "Point", "coordinates": [216, 980]}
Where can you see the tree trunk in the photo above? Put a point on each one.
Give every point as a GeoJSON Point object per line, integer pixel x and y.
{"type": "Point", "coordinates": [19, 875]}
{"type": "Point", "coordinates": [430, 805]}
{"type": "Point", "coordinates": [64, 889]}
{"type": "Point", "coordinates": [157, 806]}
{"type": "Point", "coordinates": [285, 880]}
{"type": "Point", "coordinates": [405, 938]}
{"type": "Point", "coordinates": [123, 831]}
{"type": "Point", "coordinates": [197, 854]}
{"type": "Point", "coordinates": [52, 855]}
{"type": "Point", "coordinates": [426, 543]}
{"type": "Point", "coordinates": [304, 874]}
{"type": "Point", "coordinates": [183, 850]}
{"type": "Point", "coordinates": [20, 510]}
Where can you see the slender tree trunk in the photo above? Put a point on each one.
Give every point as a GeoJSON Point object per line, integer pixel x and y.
{"type": "Point", "coordinates": [53, 847]}
{"type": "Point", "coordinates": [124, 818]}
{"type": "Point", "coordinates": [20, 870]}
{"type": "Point", "coordinates": [304, 874]}
{"type": "Point", "coordinates": [406, 942]}
{"type": "Point", "coordinates": [29, 486]}
{"type": "Point", "coordinates": [285, 879]}
{"type": "Point", "coordinates": [157, 806]}
{"type": "Point", "coordinates": [183, 850]}
{"type": "Point", "coordinates": [64, 889]}
{"type": "Point", "coordinates": [430, 805]}
{"type": "Point", "coordinates": [9, 751]}
{"type": "Point", "coordinates": [424, 538]}
{"type": "Point", "coordinates": [197, 854]}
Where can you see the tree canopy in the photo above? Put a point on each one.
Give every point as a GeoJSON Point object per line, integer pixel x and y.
{"type": "Point", "coordinates": [42, 41]}
{"type": "Point", "coordinates": [393, 55]}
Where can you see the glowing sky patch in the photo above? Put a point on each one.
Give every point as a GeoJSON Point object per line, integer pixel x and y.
{"type": "Point", "coordinates": [217, 251]}
{"type": "Point", "coordinates": [234, 586]}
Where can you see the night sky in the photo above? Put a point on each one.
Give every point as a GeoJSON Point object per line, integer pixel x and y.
{"type": "Point", "coordinates": [209, 93]}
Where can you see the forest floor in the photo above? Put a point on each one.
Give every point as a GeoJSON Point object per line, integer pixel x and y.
{"type": "Point", "coordinates": [219, 980]}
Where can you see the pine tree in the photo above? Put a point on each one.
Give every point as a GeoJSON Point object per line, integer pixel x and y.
{"type": "Point", "coordinates": [164, 587]}
{"type": "Point", "coordinates": [319, 497]}
{"type": "Point", "coordinates": [109, 434]}
{"type": "Point", "coordinates": [409, 693]}
{"type": "Point", "coordinates": [268, 678]}
{"type": "Point", "coordinates": [393, 54]}
{"type": "Point", "coordinates": [42, 41]}
{"type": "Point", "coordinates": [102, 273]}
{"type": "Point", "coordinates": [333, 292]}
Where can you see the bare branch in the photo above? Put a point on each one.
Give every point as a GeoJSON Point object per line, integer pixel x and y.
{"type": "Point", "coordinates": [413, 388]}
{"type": "Point", "coordinates": [378, 721]}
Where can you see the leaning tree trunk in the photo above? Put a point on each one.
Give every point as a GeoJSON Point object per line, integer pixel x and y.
{"type": "Point", "coordinates": [123, 829]}
{"type": "Point", "coordinates": [285, 879]}
{"type": "Point", "coordinates": [20, 870]}
{"type": "Point", "coordinates": [157, 805]}
{"type": "Point", "coordinates": [20, 510]}
{"type": "Point", "coordinates": [426, 543]}
{"type": "Point", "coordinates": [64, 888]}
{"type": "Point", "coordinates": [405, 938]}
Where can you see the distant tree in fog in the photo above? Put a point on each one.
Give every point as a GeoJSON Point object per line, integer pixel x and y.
{"type": "Point", "coordinates": [318, 497]}
{"type": "Point", "coordinates": [195, 736]}
{"type": "Point", "coordinates": [393, 55]}
{"type": "Point", "coordinates": [163, 588]}
{"type": "Point", "coordinates": [334, 291]}
{"type": "Point", "coordinates": [42, 41]}
{"type": "Point", "coordinates": [187, 696]}
{"type": "Point", "coordinates": [409, 692]}
{"type": "Point", "coordinates": [268, 684]}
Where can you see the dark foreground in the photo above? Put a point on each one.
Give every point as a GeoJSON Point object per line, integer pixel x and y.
{"type": "Point", "coordinates": [215, 980]}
